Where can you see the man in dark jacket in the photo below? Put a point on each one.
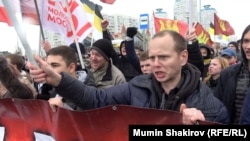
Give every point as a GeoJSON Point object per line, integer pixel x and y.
{"type": "Point", "coordinates": [127, 61]}
{"type": "Point", "coordinates": [173, 85]}
{"type": "Point", "coordinates": [234, 81]}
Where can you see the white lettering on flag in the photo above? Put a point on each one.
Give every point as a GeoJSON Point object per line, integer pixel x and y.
{"type": "Point", "coordinates": [55, 18]}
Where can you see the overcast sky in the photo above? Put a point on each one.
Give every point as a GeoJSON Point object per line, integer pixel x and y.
{"type": "Point", "coordinates": [234, 11]}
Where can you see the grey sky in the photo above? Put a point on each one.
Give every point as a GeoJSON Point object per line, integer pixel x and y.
{"type": "Point", "coordinates": [234, 11]}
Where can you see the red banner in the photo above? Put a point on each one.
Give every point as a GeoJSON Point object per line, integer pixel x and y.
{"type": "Point", "coordinates": [202, 35]}
{"type": "Point", "coordinates": [222, 27]}
{"type": "Point", "coordinates": [163, 24]}
{"type": "Point", "coordinates": [30, 120]}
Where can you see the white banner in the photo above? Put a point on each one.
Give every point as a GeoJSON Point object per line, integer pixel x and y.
{"type": "Point", "coordinates": [55, 17]}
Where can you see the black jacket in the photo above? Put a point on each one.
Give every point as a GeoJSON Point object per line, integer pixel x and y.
{"type": "Point", "coordinates": [142, 92]}
{"type": "Point", "coordinates": [128, 68]}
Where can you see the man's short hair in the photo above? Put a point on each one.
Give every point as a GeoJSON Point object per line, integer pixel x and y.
{"type": "Point", "coordinates": [180, 41]}
{"type": "Point", "coordinates": [144, 56]}
{"type": "Point", "coordinates": [67, 53]}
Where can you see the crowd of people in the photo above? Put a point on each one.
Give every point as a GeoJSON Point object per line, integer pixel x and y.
{"type": "Point", "coordinates": [175, 73]}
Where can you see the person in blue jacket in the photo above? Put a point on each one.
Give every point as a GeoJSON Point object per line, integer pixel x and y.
{"type": "Point", "coordinates": [245, 114]}
{"type": "Point", "coordinates": [173, 85]}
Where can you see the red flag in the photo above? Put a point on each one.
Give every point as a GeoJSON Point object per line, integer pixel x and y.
{"type": "Point", "coordinates": [163, 24]}
{"type": "Point", "coordinates": [108, 1]}
{"type": "Point", "coordinates": [28, 9]}
{"type": "Point", "coordinates": [202, 35]}
{"type": "Point", "coordinates": [4, 15]}
{"type": "Point", "coordinates": [222, 27]}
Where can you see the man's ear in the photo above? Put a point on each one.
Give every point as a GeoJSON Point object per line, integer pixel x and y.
{"type": "Point", "coordinates": [72, 67]}
{"type": "Point", "coordinates": [184, 57]}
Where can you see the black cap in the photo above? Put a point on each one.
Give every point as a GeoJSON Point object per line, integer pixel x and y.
{"type": "Point", "coordinates": [81, 46]}
{"type": "Point", "coordinates": [104, 47]}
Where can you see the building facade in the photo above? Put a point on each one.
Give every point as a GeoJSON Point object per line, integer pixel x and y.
{"type": "Point", "coordinates": [182, 10]}
{"type": "Point", "coordinates": [207, 16]}
{"type": "Point", "coordinates": [116, 22]}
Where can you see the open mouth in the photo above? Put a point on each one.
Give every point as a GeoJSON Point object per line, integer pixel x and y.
{"type": "Point", "coordinates": [159, 74]}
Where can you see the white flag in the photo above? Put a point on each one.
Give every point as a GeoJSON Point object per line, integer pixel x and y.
{"type": "Point", "coordinates": [55, 18]}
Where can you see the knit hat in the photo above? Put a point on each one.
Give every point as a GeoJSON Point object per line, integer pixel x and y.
{"type": "Point", "coordinates": [104, 47]}
{"type": "Point", "coordinates": [81, 46]}
{"type": "Point", "coordinates": [235, 44]}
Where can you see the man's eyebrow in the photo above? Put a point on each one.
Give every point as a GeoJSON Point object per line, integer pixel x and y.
{"type": "Point", "coordinates": [53, 63]}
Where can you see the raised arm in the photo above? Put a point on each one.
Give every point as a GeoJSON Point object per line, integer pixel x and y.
{"type": "Point", "coordinates": [130, 48]}
{"type": "Point", "coordinates": [194, 54]}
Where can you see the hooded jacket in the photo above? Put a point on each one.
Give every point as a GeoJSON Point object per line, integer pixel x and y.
{"type": "Point", "coordinates": [142, 92]}
{"type": "Point", "coordinates": [227, 82]}
{"type": "Point", "coordinates": [122, 63]}
{"type": "Point", "coordinates": [206, 59]}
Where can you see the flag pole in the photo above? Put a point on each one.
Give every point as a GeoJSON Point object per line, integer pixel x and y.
{"type": "Point", "coordinates": [214, 27]}
{"type": "Point", "coordinates": [20, 32]}
{"type": "Point", "coordinates": [41, 35]}
{"type": "Point", "coordinates": [153, 28]}
{"type": "Point", "coordinates": [190, 19]}
{"type": "Point", "coordinates": [92, 39]}
{"type": "Point", "coordinates": [39, 20]}
{"type": "Point", "coordinates": [74, 35]}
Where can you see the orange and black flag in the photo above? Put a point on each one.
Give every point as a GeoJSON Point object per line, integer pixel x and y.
{"type": "Point", "coordinates": [168, 24]}
{"type": "Point", "coordinates": [222, 27]}
{"type": "Point", "coordinates": [202, 35]}
{"type": "Point", "coordinates": [94, 16]}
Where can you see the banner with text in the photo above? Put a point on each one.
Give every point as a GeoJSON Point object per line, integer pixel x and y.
{"type": "Point", "coordinates": [56, 18]}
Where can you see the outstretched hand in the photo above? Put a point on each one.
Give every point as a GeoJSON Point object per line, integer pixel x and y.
{"type": "Point", "coordinates": [44, 73]}
{"type": "Point", "coordinates": [191, 116]}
